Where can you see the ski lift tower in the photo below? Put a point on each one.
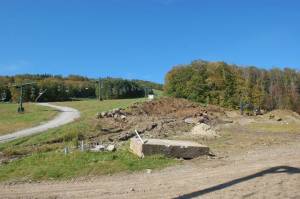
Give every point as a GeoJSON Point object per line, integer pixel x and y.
{"type": "Point", "coordinates": [21, 87]}
{"type": "Point", "coordinates": [100, 86]}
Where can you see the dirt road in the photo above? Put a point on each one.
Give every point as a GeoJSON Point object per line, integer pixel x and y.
{"type": "Point", "coordinates": [265, 172]}
{"type": "Point", "coordinates": [67, 115]}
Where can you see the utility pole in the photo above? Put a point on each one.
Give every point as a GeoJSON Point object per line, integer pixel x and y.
{"type": "Point", "coordinates": [100, 84]}
{"type": "Point", "coordinates": [21, 87]}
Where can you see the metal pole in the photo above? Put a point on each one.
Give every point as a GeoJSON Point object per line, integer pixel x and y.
{"type": "Point", "coordinates": [99, 89]}
{"type": "Point", "coordinates": [21, 109]}
{"type": "Point", "coordinates": [139, 136]}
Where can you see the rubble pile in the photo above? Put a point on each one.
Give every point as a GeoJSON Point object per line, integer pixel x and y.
{"type": "Point", "coordinates": [205, 131]}
{"type": "Point", "coordinates": [160, 118]}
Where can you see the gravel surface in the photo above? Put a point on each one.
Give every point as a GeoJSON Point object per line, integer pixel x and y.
{"type": "Point", "coordinates": [267, 172]}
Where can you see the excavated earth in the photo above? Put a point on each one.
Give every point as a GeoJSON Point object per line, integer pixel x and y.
{"type": "Point", "coordinates": [161, 118]}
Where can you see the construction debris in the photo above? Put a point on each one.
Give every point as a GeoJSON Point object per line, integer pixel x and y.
{"type": "Point", "coordinates": [204, 131]}
{"type": "Point", "coordinates": [159, 118]}
{"type": "Point", "coordinates": [98, 148]}
{"type": "Point", "coordinates": [115, 113]}
{"type": "Point", "coordinates": [169, 148]}
{"type": "Point", "coordinates": [111, 147]}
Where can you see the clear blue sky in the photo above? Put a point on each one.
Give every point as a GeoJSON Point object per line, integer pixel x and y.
{"type": "Point", "coordinates": [144, 38]}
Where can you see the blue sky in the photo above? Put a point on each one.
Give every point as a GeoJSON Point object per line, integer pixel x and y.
{"type": "Point", "coordinates": [144, 39]}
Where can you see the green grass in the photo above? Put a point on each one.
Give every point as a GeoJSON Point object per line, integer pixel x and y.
{"type": "Point", "coordinates": [56, 165]}
{"type": "Point", "coordinates": [84, 126]}
{"type": "Point", "coordinates": [45, 160]}
{"type": "Point", "coordinates": [11, 121]}
{"type": "Point", "coordinates": [158, 93]}
{"type": "Point", "coordinates": [281, 127]}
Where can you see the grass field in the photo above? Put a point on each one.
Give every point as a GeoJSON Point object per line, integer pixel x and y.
{"type": "Point", "coordinates": [11, 121]}
{"type": "Point", "coordinates": [56, 165]}
{"type": "Point", "coordinates": [44, 152]}
{"type": "Point", "coordinates": [284, 127]}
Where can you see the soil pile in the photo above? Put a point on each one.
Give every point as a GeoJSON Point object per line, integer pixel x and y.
{"type": "Point", "coordinates": [159, 118]}
{"type": "Point", "coordinates": [205, 131]}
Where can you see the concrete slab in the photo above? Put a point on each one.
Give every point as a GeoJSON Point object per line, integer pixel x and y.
{"type": "Point", "coordinates": [170, 148]}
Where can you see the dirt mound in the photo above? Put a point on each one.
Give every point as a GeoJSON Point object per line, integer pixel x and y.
{"type": "Point", "coordinates": [159, 118]}
{"type": "Point", "coordinates": [283, 115]}
{"type": "Point", "coordinates": [169, 107]}
{"type": "Point", "coordinates": [205, 131]}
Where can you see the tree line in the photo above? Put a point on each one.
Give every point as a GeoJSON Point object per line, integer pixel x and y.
{"type": "Point", "coordinates": [59, 88]}
{"type": "Point", "coordinates": [230, 85]}
{"type": "Point", "coordinates": [117, 88]}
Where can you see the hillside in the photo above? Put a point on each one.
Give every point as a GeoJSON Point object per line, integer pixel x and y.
{"type": "Point", "coordinates": [234, 86]}
{"type": "Point", "coordinates": [59, 88]}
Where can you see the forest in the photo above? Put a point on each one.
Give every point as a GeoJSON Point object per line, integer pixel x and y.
{"type": "Point", "coordinates": [230, 85]}
{"type": "Point", "coordinates": [59, 88]}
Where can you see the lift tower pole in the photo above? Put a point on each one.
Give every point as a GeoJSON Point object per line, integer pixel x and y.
{"type": "Point", "coordinates": [21, 87]}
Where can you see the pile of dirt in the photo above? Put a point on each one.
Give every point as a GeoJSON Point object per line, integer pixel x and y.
{"type": "Point", "coordinates": [169, 107]}
{"type": "Point", "coordinates": [283, 115]}
{"type": "Point", "coordinates": [204, 131]}
{"type": "Point", "coordinates": [159, 118]}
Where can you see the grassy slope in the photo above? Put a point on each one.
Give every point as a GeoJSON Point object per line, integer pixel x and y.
{"type": "Point", "coordinates": [11, 121]}
{"type": "Point", "coordinates": [47, 161]}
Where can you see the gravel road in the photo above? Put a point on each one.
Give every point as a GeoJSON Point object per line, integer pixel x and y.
{"type": "Point", "coordinates": [65, 116]}
{"type": "Point", "coordinates": [270, 172]}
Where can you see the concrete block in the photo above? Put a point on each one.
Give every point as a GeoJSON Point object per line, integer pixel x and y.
{"type": "Point", "coordinates": [170, 148]}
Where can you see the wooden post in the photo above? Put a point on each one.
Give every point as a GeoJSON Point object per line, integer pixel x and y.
{"type": "Point", "coordinates": [81, 145]}
{"type": "Point", "coordinates": [66, 150]}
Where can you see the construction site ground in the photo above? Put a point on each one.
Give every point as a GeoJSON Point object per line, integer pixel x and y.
{"type": "Point", "coordinates": [252, 157]}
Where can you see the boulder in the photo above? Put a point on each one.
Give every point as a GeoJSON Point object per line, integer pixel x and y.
{"type": "Point", "coordinates": [126, 136]}
{"type": "Point", "coordinates": [191, 120]}
{"type": "Point", "coordinates": [98, 148]}
{"type": "Point", "coordinates": [169, 148]}
{"type": "Point", "coordinates": [111, 147]}
{"type": "Point", "coordinates": [98, 115]}
{"type": "Point", "coordinates": [103, 114]}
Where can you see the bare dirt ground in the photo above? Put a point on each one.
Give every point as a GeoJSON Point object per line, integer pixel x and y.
{"type": "Point", "coordinates": [267, 172]}
{"type": "Point", "coordinates": [256, 157]}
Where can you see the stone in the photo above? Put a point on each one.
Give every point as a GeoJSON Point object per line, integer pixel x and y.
{"type": "Point", "coordinates": [169, 148]}
{"type": "Point", "coordinates": [111, 147]}
{"type": "Point", "coordinates": [110, 130]}
{"type": "Point", "coordinates": [132, 189]}
{"type": "Point", "coordinates": [191, 120]}
{"type": "Point", "coordinates": [98, 148]}
{"type": "Point", "coordinates": [98, 115]}
{"type": "Point", "coordinates": [203, 119]}
{"type": "Point", "coordinates": [204, 130]}
{"type": "Point", "coordinates": [103, 114]}
{"type": "Point", "coordinates": [126, 136]}
{"type": "Point", "coordinates": [151, 126]}
{"type": "Point", "coordinates": [116, 110]}
{"type": "Point", "coordinates": [148, 171]}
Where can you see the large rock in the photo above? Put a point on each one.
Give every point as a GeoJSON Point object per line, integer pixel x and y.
{"type": "Point", "coordinates": [111, 147]}
{"type": "Point", "coordinates": [170, 148]}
